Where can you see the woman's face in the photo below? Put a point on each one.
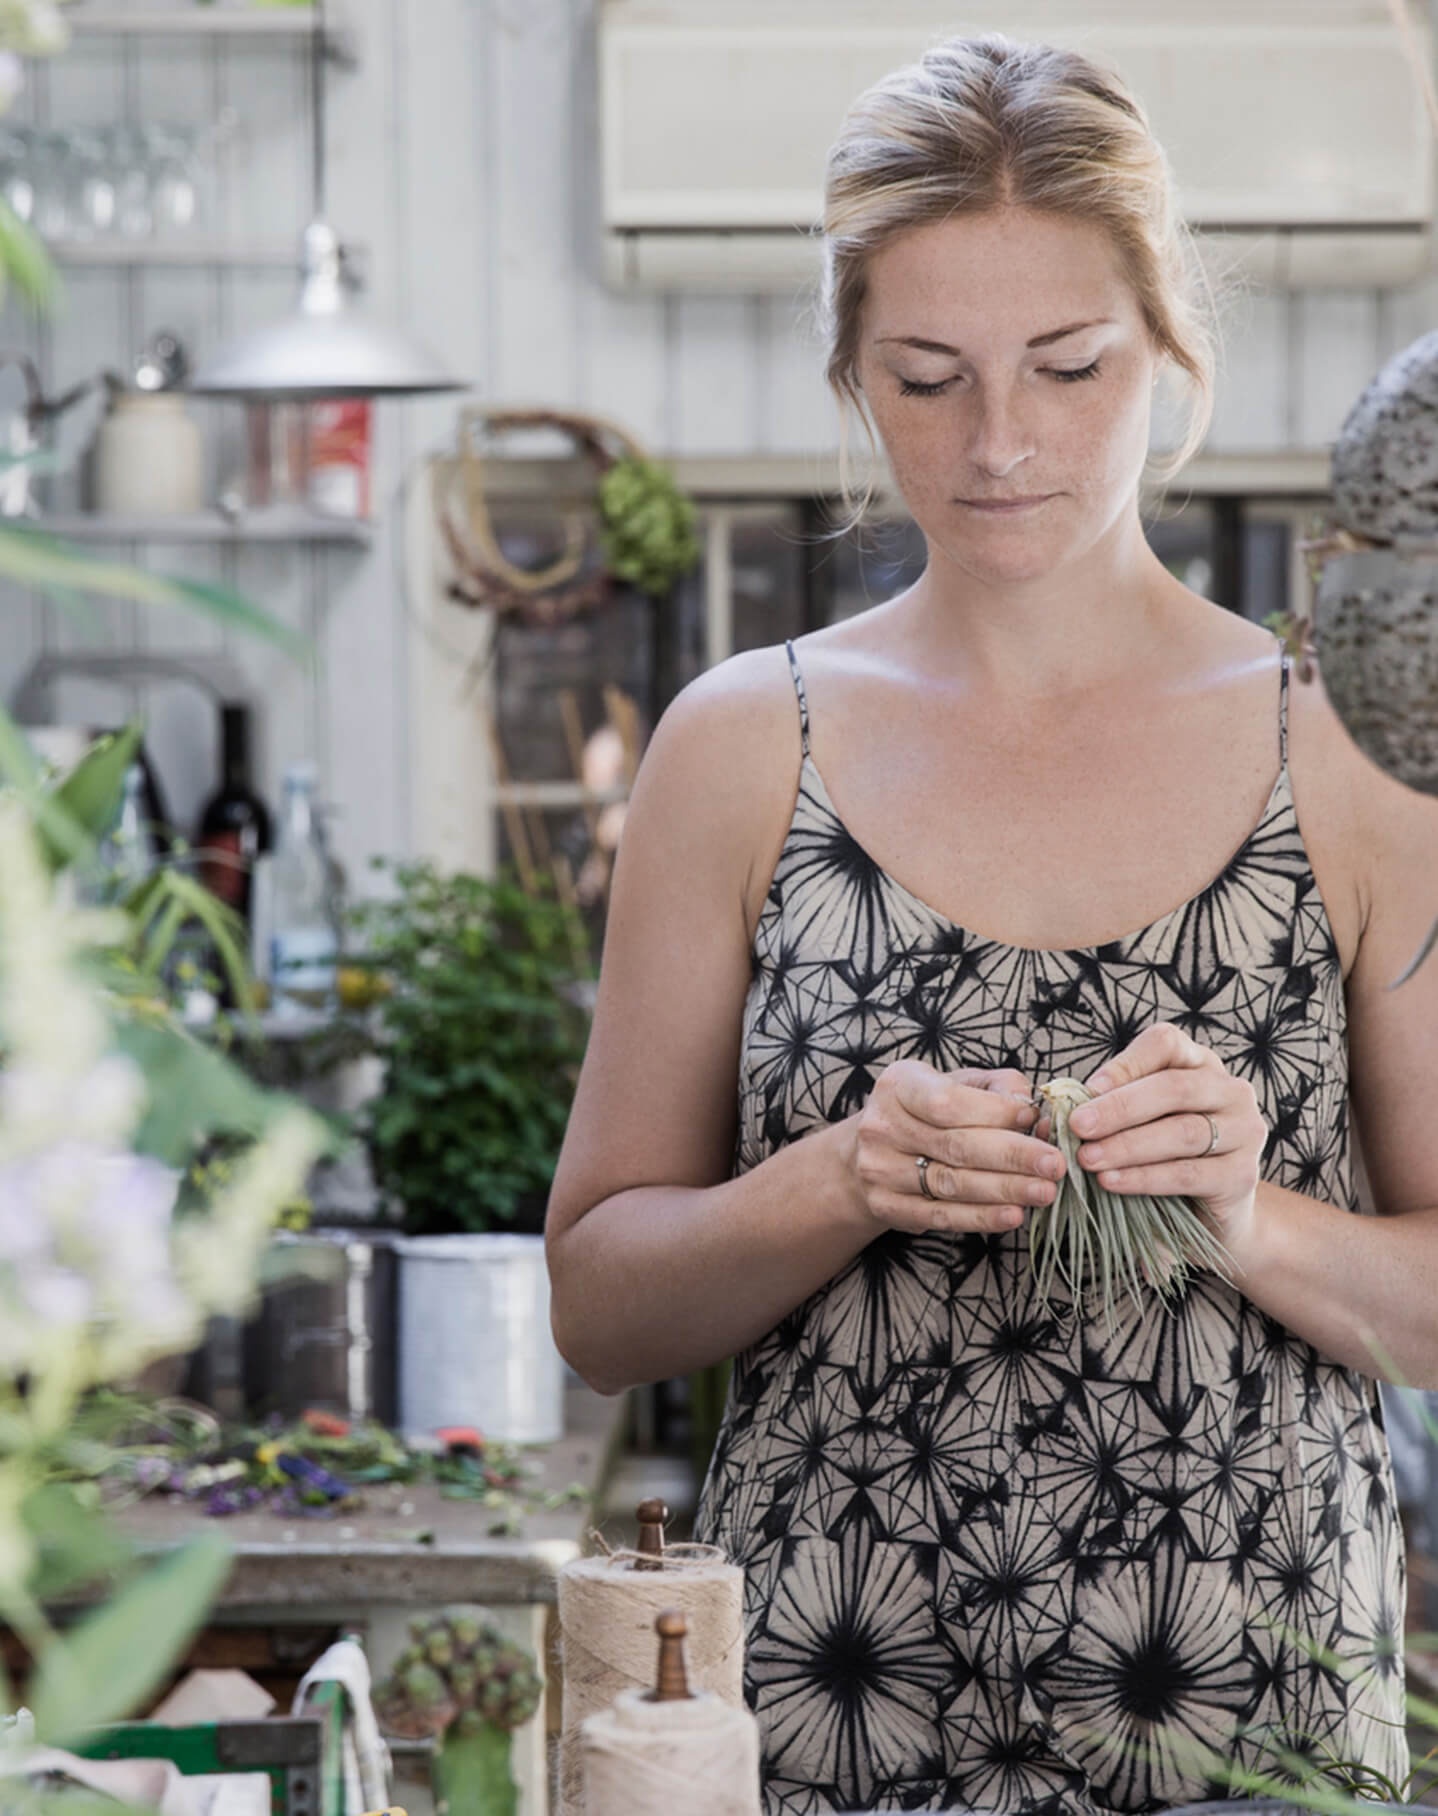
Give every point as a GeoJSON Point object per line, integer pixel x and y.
{"type": "Point", "coordinates": [1003, 357]}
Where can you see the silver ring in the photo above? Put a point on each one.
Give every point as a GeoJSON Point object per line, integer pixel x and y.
{"type": "Point", "coordinates": [921, 1161]}
{"type": "Point", "coordinates": [1212, 1139]}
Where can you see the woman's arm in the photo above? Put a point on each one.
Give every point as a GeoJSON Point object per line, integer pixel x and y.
{"type": "Point", "coordinates": [660, 1262]}
{"type": "Point", "coordinates": [1365, 1290]}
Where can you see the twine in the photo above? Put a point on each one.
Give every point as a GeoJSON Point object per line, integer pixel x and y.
{"type": "Point", "coordinates": [607, 1609]}
{"type": "Point", "coordinates": [644, 1758]}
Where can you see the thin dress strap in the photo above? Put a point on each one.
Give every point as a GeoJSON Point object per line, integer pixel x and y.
{"type": "Point", "coordinates": [1283, 714]}
{"type": "Point", "coordinates": [803, 697]}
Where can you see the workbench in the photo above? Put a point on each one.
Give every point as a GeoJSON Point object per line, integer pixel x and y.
{"type": "Point", "coordinates": [409, 1551]}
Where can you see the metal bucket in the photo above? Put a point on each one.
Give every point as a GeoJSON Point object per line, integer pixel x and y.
{"type": "Point", "coordinates": [474, 1341]}
{"type": "Point", "coordinates": [324, 1335]}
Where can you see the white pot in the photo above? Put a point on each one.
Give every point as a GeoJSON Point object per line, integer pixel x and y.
{"type": "Point", "coordinates": [148, 458]}
{"type": "Point", "coordinates": [474, 1341]}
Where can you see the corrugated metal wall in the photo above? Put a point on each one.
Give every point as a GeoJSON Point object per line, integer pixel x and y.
{"type": "Point", "coordinates": [462, 153]}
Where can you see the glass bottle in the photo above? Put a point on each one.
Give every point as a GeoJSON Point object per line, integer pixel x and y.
{"type": "Point", "coordinates": [128, 853]}
{"type": "Point", "coordinates": [304, 942]}
{"type": "Point", "coordinates": [234, 826]}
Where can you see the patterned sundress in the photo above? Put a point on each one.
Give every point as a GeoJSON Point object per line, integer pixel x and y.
{"type": "Point", "coordinates": [1003, 1559]}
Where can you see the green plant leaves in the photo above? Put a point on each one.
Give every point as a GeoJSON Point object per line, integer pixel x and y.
{"type": "Point", "coordinates": [92, 791]}
{"type": "Point", "coordinates": [482, 1043]}
{"type": "Point", "coordinates": [32, 557]}
{"type": "Point", "coordinates": [1112, 1243]}
{"type": "Point", "coordinates": [475, 1775]}
{"type": "Point", "coordinates": [194, 1092]}
{"type": "Point", "coordinates": [108, 1663]}
{"type": "Point", "coordinates": [75, 1544]}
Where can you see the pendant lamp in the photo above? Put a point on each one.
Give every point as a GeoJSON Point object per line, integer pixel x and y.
{"type": "Point", "coordinates": [328, 346]}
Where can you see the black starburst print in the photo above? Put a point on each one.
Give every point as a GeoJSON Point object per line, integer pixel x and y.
{"type": "Point", "coordinates": [999, 1556]}
{"type": "Point", "coordinates": [847, 1669]}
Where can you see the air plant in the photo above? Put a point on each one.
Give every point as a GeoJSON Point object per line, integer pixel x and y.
{"type": "Point", "coordinates": [1114, 1243]}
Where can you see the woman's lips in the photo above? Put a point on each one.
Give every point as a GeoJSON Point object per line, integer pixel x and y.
{"type": "Point", "coordinates": [1005, 507]}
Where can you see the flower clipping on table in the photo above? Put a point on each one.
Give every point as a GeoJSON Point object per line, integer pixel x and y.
{"type": "Point", "coordinates": [1112, 1243]}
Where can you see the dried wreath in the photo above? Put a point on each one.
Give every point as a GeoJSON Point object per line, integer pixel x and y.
{"type": "Point", "coordinates": [646, 525]}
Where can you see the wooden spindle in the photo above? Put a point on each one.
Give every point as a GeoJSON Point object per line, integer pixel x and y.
{"type": "Point", "coordinates": [672, 1684]}
{"type": "Point", "coordinates": [653, 1517]}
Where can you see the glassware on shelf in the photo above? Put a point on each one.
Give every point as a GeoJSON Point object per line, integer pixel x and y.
{"type": "Point", "coordinates": [93, 185]}
{"type": "Point", "coordinates": [17, 178]}
{"type": "Point", "coordinates": [119, 182]}
{"type": "Point", "coordinates": [54, 212]}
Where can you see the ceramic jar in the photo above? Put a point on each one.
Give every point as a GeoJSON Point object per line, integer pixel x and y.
{"type": "Point", "coordinates": [148, 457]}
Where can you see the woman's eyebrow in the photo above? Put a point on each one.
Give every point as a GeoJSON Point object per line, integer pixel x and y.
{"type": "Point", "coordinates": [1039, 340]}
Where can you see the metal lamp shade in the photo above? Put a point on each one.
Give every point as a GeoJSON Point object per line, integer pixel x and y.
{"type": "Point", "coordinates": [327, 347]}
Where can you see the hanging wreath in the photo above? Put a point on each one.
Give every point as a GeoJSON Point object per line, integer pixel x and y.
{"type": "Point", "coordinates": [647, 531]}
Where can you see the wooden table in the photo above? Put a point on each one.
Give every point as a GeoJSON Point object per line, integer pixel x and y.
{"type": "Point", "coordinates": [411, 1551]}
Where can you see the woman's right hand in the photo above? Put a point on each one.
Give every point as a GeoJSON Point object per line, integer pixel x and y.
{"type": "Point", "coordinates": [980, 1134]}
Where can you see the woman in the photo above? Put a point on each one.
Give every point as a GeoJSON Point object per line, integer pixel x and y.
{"type": "Point", "coordinates": [877, 886]}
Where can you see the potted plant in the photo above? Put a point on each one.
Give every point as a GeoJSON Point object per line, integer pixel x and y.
{"type": "Point", "coordinates": [477, 1018]}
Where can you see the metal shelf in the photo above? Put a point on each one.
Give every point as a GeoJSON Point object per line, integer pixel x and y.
{"type": "Point", "coordinates": [280, 25]}
{"type": "Point", "coordinates": [114, 255]}
{"type": "Point", "coordinates": [274, 526]}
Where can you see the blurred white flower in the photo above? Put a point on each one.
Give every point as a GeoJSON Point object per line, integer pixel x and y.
{"type": "Point", "coordinates": [50, 1021]}
{"type": "Point", "coordinates": [96, 1279]}
{"type": "Point", "coordinates": [34, 28]}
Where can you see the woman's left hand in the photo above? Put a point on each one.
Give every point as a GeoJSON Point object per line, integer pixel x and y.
{"type": "Point", "coordinates": [1168, 1117]}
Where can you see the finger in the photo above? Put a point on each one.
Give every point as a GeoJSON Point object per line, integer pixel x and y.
{"type": "Point", "coordinates": [918, 1217]}
{"type": "Point", "coordinates": [944, 1099]}
{"type": "Point", "coordinates": [999, 1151]}
{"type": "Point", "coordinates": [898, 1172]}
{"type": "Point", "coordinates": [1183, 1137]}
{"type": "Point", "coordinates": [1010, 1082]}
{"type": "Point", "coordinates": [1170, 1179]}
{"type": "Point", "coordinates": [1144, 1100]}
{"type": "Point", "coordinates": [1159, 1047]}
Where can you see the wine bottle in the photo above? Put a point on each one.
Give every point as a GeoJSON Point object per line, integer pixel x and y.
{"type": "Point", "coordinates": [234, 825]}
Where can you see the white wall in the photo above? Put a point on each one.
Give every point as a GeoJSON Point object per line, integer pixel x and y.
{"type": "Point", "coordinates": [462, 154]}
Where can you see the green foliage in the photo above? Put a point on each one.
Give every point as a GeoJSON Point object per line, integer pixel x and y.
{"type": "Point", "coordinates": [34, 558]}
{"type": "Point", "coordinates": [647, 526]}
{"type": "Point", "coordinates": [74, 1545]}
{"type": "Point", "coordinates": [92, 791]}
{"type": "Point", "coordinates": [474, 1772]}
{"type": "Point", "coordinates": [482, 1042]}
{"type": "Point", "coordinates": [107, 1664]}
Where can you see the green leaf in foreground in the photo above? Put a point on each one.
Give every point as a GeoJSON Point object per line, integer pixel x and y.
{"type": "Point", "coordinates": [103, 1668]}
{"type": "Point", "coordinates": [194, 1092]}
{"type": "Point", "coordinates": [33, 557]}
{"type": "Point", "coordinates": [75, 1543]}
{"type": "Point", "coordinates": [92, 791]}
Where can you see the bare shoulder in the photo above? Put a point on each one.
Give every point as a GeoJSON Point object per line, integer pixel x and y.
{"type": "Point", "coordinates": [728, 746]}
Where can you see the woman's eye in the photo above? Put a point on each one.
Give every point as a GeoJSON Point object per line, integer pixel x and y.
{"type": "Point", "coordinates": [1072, 374]}
{"type": "Point", "coordinates": [912, 387]}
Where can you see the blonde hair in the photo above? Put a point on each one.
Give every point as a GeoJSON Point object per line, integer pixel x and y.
{"type": "Point", "coordinates": [983, 123]}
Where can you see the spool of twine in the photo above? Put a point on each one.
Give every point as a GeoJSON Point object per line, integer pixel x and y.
{"type": "Point", "coordinates": [607, 1610]}
{"type": "Point", "coordinates": [647, 1758]}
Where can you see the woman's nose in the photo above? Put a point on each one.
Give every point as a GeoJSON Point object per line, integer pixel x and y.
{"type": "Point", "coordinates": [1001, 438]}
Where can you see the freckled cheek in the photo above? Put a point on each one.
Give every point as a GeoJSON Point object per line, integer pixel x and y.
{"type": "Point", "coordinates": [925, 455]}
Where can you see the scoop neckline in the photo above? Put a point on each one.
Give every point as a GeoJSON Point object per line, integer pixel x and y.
{"type": "Point", "coordinates": [971, 937]}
